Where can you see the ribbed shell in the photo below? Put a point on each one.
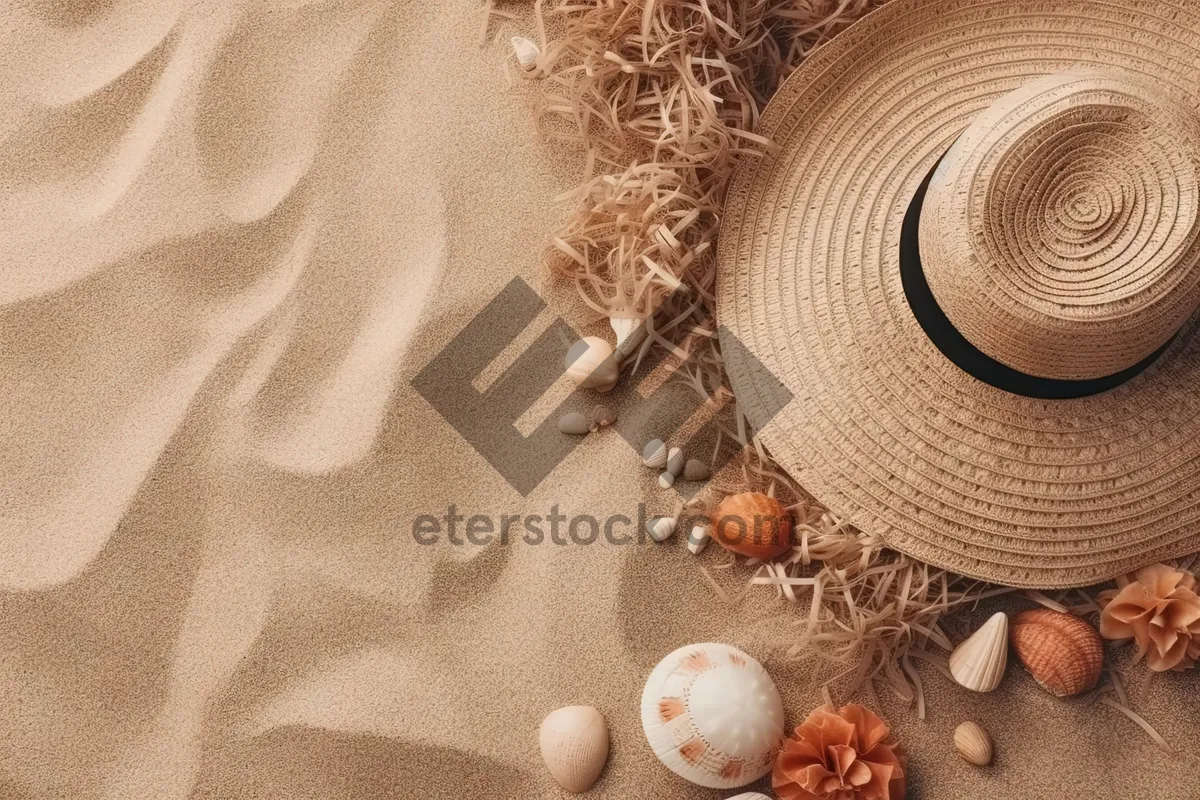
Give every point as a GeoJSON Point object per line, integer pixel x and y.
{"type": "Point", "coordinates": [752, 524]}
{"type": "Point", "coordinates": [1062, 652]}
{"type": "Point", "coordinates": [574, 744]}
{"type": "Point", "coordinates": [979, 662]}
{"type": "Point", "coordinates": [973, 743]}
{"type": "Point", "coordinates": [654, 454]}
{"type": "Point", "coordinates": [675, 462]}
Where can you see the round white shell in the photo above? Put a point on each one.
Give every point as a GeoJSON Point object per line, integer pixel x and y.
{"type": "Point", "coordinates": [712, 714]}
{"type": "Point", "coordinates": [749, 796]}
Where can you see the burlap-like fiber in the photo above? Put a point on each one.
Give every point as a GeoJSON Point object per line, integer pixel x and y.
{"type": "Point", "coordinates": [1080, 194]}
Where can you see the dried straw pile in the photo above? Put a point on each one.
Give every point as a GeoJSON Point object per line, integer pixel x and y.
{"type": "Point", "coordinates": [663, 97]}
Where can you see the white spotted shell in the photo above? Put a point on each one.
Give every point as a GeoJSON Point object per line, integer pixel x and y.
{"type": "Point", "coordinates": [712, 715]}
{"type": "Point", "coordinates": [574, 744]}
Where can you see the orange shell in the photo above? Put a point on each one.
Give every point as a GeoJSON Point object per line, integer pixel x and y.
{"type": "Point", "coordinates": [1062, 652]}
{"type": "Point", "coordinates": [752, 524]}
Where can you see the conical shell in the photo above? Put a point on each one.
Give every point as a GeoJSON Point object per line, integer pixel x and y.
{"type": "Point", "coordinates": [978, 663]}
{"type": "Point", "coordinates": [525, 51]}
{"type": "Point", "coordinates": [699, 537]}
{"type": "Point", "coordinates": [696, 470]}
{"type": "Point", "coordinates": [654, 454]}
{"type": "Point", "coordinates": [1062, 652]}
{"type": "Point", "coordinates": [574, 743]}
{"type": "Point", "coordinates": [630, 333]}
{"type": "Point", "coordinates": [712, 715]}
{"type": "Point", "coordinates": [661, 528]}
{"type": "Point", "coordinates": [973, 743]}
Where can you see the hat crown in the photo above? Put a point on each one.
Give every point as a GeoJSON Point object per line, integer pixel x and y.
{"type": "Point", "coordinates": [1061, 232]}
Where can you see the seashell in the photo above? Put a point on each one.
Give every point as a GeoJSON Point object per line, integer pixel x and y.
{"type": "Point", "coordinates": [574, 743]}
{"type": "Point", "coordinates": [654, 454]}
{"type": "Point", "coordinates": [752, 524]}
{"type": "Point", "coordinates": [749, 796]}
{"type": "Point", "coordinates": [574, 423]}
{"type": "Point", "coordinates": [661, 528]}
{"type": "Point", "coordinates": [525, 51]}
{"type": "Point", "coordinates": [978, 662]}
{"type": "Point", "coordinates": [696, 470]}
{"type": "Point", "coordinates": [666, 480]}
{"type": "Point", "coordinates": [712, 715]}
{"type": "Point", "coordinates": [630, 332]}
{"type": "Point", "coordinates": [675, 461]}
{"type": "Point", "coordinates": [1062, 652]}
{"type": "Point", "coordinates": [698, 538]}
{"type": "Point", "coordinates": [591, 365]}
{"type": "Point", "coordinates": [603, 416]}
{"type": "Point", "coordinates": [973, 744]}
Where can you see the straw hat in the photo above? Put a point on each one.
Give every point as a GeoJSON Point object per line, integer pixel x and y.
{"type": "Point", "coordinates": [973, 264]}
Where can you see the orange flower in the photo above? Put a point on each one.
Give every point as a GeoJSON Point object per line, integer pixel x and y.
{"type": "Point", "coordinates": [1160, 610]}
{"type": "Point", "coordinates": [840, 754]}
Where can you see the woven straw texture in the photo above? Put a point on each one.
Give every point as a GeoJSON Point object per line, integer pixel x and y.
{"type": "Point", "coordinates": [1061, 239]}
{"type": "Point", "coordinates": [1059, 236]}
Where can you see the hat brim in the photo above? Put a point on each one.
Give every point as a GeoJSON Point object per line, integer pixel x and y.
{"type": "Point", "coordinates": [882, 427]}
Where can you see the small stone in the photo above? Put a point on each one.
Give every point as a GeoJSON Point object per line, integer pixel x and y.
{"type": "Point", "coordinates": [666, 480]}
{"type": "Point", "coordinates": [696, 470]}
{"type": "Point", "coordinates": [699, 537]}
{"type": "Point", "coordinates": [574, 423]}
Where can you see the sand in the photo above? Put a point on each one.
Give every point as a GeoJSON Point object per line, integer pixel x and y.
{"type": "Point", "coordinates": [231, 234]}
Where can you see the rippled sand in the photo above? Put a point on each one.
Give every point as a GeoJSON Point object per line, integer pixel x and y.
{"type": "Point", "coordinates": [230, 235]}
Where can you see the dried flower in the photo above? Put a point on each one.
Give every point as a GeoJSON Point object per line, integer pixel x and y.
{"type": "Point", "coordinates": [1160, 610]}
{"type": "Point", "coordinates": [840, 755]}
